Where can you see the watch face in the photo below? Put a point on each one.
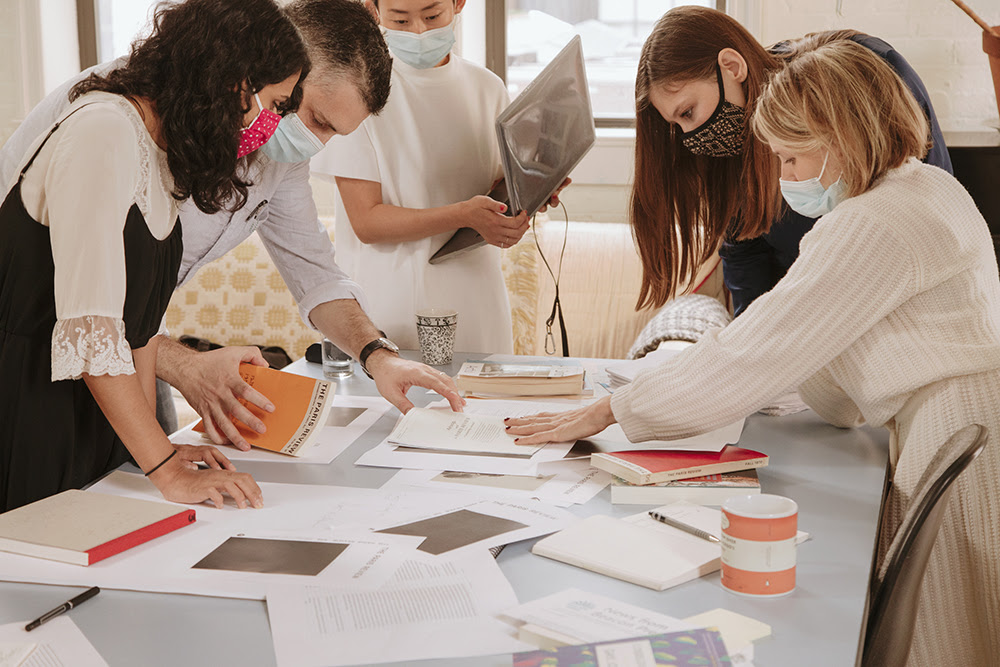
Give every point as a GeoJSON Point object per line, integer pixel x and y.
{"type": "Point", "coordinates": [389, 344]}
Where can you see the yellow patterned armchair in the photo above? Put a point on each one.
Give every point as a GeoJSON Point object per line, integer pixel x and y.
{"type": "Point", "coordinates": [241, 299]}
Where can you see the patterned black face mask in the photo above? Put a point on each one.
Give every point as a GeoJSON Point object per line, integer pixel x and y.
{"type": "Point", "coordinates": [722, 134]}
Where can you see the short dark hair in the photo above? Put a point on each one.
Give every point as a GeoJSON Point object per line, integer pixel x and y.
{"type": "Point", "coordinates": [192, 67]}
{"type": "Point", "coordinates": [342, 37]}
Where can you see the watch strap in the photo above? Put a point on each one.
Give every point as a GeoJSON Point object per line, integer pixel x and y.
{"type": "Point", "coordinates": [381, 343]}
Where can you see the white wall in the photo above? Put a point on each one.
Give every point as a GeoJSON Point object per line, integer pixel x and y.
{"type": "Point", "coordinates": [942, 44]}
{"type": "Point", "coordinates": [34, 60]}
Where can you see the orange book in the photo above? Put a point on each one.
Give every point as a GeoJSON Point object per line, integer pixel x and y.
{"type": "Point", "coordinates": [301, 406]}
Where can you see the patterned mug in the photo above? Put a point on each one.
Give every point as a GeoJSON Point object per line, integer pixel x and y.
{"type": "Point", "coordinates": [436, 333]}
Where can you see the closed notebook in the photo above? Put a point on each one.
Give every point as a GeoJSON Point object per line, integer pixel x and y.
{"type": "Point", "coordinates": [705, 490]}
{"type": "Point", "coordinates": [656, 559]}
{"type": "Point", "coordinates": [520, 379]}
{"type": "Point", "coordinates": [82, 527]}
{"type": "Point", "coordinates": [301, 406]}
{"type": "Point", "coordinates": [652, 466]}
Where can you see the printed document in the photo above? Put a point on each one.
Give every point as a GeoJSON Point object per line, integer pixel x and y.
{"type": "Point", "coordinates": [58, 643]}
{"type": "Point", "coordinates": [588, 617]}
{"type": "Point", "coordinates": [560, 483]}
{"type": "Point", "coordinates": [442, 430]}
{"type": "Point", "coordinates": [443, 610]}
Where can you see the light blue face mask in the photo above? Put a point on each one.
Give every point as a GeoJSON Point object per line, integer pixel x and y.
{"type": "Point", "coordinates": [809, 197]}
{"type": "Point", "coordinates": [292, 141]}
{"type": "Point", "coordinates": [424, 50]}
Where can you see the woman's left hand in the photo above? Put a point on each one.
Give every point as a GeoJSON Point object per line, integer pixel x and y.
{"type": "Point", "coordinates": [210, 456]}
{"type": "Point", "coordinates": [562, 426]}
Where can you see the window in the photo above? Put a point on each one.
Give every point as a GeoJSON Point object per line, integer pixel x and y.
{"type": "Point", "coordinates": [107, 28]}
{"type": "Point", "coordinates": [524, 35]}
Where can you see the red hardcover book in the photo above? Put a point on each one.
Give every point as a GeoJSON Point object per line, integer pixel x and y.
{"type": "Point", "coordinates": [653, 466]}
{"type": "Point", "coordinates": [82, 528]}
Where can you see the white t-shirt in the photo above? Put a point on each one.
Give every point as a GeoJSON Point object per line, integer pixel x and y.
{"type": "Point", "coordinates": [434, 144]}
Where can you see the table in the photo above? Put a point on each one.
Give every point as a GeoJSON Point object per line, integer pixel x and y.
{"type": "Point", "coordinates": [835, 475]}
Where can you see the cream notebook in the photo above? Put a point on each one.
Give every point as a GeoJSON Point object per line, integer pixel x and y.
{"type": "Point", "coordinates": [640, 549]}
{"type": "Point", "coordinates": [83, 527]}
{"type": "Point", "coordinates": [655, 559]}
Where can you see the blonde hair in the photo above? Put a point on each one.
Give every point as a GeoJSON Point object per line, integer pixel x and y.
{"type": "Point", "coordinates": [841, 96]}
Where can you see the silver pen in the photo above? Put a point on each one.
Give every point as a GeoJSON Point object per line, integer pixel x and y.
{"type": "Point", "coordinates": [680, 525]}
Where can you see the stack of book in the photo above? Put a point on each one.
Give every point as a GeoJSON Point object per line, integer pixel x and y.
{"type": "Point", "coordinates": [488, 378]}
{"type": "Point", "coordinates": [664, 476]}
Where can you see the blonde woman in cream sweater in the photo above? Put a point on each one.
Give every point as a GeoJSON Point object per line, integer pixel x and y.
{"type": "Point", "coordinates": [890, 316]}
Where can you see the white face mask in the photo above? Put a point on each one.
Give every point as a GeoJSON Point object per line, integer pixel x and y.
{"type": "Point", "coordinates": [809, 197]}
{"type": "Point", "coordinates": [424, 50]}
{"type": "Point", "coordinates": [292, 141]}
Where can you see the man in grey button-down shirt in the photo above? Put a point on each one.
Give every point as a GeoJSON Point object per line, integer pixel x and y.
{"type": "Point", "coordinates": [349, 80]}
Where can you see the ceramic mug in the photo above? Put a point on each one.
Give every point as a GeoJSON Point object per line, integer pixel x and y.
{"type": "Point", "coordinates": [758, 545]}
{"type": "Point", "coordinates": [436, 334]}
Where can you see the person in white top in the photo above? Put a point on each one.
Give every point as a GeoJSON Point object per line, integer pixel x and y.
{"type": "Point", "coordinates": [412, 176]}
{"type": "Point", "coordinates": [348, 80]}
{"type": "Point", "coordinates": [90, 246]}
{"type": "Point", "coordinates": [890, 316]}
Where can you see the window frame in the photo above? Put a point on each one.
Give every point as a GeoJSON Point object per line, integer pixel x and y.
{"type": "Point", "coordinates": [496, 53]}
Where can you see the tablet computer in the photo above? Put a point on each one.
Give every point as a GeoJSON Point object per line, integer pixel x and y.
{"type": "Point", "coordinates": [543, 135]}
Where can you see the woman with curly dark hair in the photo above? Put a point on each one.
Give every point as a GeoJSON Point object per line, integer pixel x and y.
{"type": "Point", "coordinates": [90, 246]}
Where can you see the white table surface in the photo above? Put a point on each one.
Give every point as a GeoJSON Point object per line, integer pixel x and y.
{"type": "Point", "coordinates": [835, 475]}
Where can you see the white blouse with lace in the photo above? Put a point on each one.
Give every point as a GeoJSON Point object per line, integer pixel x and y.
{"type": "Point", "coordinates": [81, 186]}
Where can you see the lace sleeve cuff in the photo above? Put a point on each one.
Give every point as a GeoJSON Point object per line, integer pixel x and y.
{"type": "Point", "coordinates": [91, 344]}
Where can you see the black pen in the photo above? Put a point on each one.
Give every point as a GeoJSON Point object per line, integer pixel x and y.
{"type": "Point", "coordinates": [63, 608]}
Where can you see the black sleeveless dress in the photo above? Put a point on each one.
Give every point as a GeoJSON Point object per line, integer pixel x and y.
{"type": "Point", "coordinates": [53, 435]}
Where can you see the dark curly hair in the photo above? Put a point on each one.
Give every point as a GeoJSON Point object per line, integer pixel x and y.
{"type": "Point", "coordinates": [344, 39]}
{"type": "Point", "coordinates": [193, 67]}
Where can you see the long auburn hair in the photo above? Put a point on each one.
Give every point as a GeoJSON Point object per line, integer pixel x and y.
{"type": "Point", "coordinates": [193, 67]}
{"type": "Point", "coordinates": [683, 205]}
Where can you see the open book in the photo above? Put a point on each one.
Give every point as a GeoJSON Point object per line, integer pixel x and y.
{"type": "Point", "coordinates": [301, 406]}
{"type": "Point", "coordinates": [442, 430]}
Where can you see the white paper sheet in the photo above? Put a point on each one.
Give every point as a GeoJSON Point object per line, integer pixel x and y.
{"type": "Point", "coordinates": [385, 455]}
{"type": "Point", "coordinates": [624, 372]}
{"type": "Point", "coordinates": [349, 418]}
{"type": "Point", "coordinates": [13, 654]}
{"type": "Point", "coordinates": [441, 429]}
{"type": "Point", "coordinates": [447, 611]}
{"type": "Point", "coordinates": [588, 617]}
{"type": "Point", "coordinates": [738, 631]}
{"type": "Point", "coordinates": [292, 512]}
{"type": "Point", "coordinates": [299, 513]}
{"type": "Point", "coordinates": [58, 643]}
{"type": "Point", "coordinates": [613, 439]}
{"type": "Point", "coordinates": [561, 483]}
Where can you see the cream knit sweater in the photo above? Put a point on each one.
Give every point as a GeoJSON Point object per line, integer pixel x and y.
{"type": "Point", "coordinates": [890, 316]}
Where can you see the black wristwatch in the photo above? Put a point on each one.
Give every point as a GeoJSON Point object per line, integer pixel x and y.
{"type": "Point", "coordinates": [377, 344]}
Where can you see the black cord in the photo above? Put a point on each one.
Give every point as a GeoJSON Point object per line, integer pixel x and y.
{"type": "Point", "coordinates": [556, 304]}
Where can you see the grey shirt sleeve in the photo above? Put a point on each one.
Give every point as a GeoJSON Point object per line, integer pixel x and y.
{"type": "Point", "coordinates": [301, 247]}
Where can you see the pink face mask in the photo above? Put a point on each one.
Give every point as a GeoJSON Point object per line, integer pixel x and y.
{"type": "Point", "coordinates": [259, 131]}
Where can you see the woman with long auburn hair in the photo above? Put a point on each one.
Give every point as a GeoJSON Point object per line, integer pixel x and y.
{"type": "Point", "coordinates": [703, 183]}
